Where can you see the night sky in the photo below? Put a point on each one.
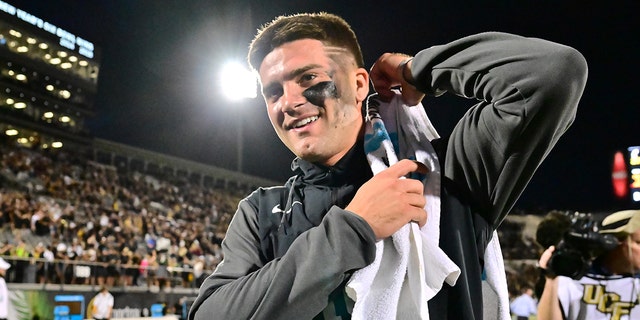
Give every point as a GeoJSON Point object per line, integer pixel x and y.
{"type": "Point", "coordinates": [159, 85]}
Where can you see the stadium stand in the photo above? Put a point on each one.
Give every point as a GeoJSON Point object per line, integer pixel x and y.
{"type": "Point", "coordinates": [65, 218]}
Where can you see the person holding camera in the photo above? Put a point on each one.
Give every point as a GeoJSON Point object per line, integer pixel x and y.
{"type": "Point", "coordinates": [609, 289]}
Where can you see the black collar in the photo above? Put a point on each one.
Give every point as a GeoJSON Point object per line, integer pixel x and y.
{"type": "Point", "coordinates": [353, 168]}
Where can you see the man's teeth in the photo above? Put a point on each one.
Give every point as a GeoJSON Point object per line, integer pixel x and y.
{"type": "Point", "coordinates": [304, 122]}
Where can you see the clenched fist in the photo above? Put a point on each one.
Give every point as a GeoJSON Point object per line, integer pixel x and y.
{"type": "Point", "coordinates": [389, 201]}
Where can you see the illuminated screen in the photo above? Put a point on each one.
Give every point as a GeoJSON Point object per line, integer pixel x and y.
{"type": "Point", "coordinates": [75, 307]}
{"type": "Point", "coordinates": [634, 172]}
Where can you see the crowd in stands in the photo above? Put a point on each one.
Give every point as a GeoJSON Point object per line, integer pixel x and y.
{"type": "Point", "coordinates": [65, 218]}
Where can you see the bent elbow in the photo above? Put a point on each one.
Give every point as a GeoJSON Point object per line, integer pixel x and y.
{"type": "Point", "coordinates": [564, 79]}
{"type": "Point", "coordinates": [574, 67]}
{"type": "Point", "coordinates": [568, 67]}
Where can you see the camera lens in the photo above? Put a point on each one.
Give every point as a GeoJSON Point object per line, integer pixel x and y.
{"type": "Point", "coordinates": [569, 263]}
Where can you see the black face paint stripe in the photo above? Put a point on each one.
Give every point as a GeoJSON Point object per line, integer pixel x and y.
{"type": "Point", "coordinates": [318, 93]}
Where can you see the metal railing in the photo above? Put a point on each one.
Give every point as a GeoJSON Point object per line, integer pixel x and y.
{"type": "Point", "coordinates": [61, 273]}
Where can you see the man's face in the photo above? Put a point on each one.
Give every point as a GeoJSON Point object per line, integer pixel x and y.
{"type": "Point", "coordinates": [314, 95]}
{"type": "Point", "coordinates": [633, 251]}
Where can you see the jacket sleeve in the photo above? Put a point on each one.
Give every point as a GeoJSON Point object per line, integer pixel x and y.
{"type": "Point", "coordinates": [527, 92]}
{"type": "Point", "coordinates": [295, 286]}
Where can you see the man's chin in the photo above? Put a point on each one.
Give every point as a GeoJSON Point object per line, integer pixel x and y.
{"type": "Point", "coordinates": [310, 157]}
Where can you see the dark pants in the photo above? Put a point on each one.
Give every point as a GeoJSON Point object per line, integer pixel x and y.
{"type": "Point", "coordinates": [522, 318]}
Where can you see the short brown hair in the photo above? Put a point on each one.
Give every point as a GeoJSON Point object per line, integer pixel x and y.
{"type": "Point", "coordinates": [326, 27]}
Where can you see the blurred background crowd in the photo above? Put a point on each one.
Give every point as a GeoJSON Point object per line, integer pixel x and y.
{"type": "Point", "coordinates": [67, 219]}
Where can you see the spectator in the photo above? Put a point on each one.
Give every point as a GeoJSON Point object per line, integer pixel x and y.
{"type": "Point", "coordinates": [198, 271]}
{"type": "Point", "coordinates": [128, 267]}
{"type": "Point", "coordinates": [4, 292]}
{"type": "Point", "coordinates": [61, 266]}
{"type": "Point", "coordinates": [48, 268]}
{"type": "Point", "coordinates": [21, 255]}
{"type": "Point", "coordinates": [524, 305]}
{"type": "Point", "coordinates": [38, 262]}
{"type": "Point", "coordinates": [102, 304]}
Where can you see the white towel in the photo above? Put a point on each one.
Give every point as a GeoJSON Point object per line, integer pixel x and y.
{"type": "Point", "coordinates": [495, 300]}
{"type": "Point", "coordinates": [409, 268]}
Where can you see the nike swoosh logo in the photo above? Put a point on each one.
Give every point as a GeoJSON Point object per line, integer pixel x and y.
{"type": "Point", "coordinates": [276, 208]}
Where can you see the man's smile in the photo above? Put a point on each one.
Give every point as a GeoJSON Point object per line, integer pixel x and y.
{"type": "Point", "coordinates": [304, 122]}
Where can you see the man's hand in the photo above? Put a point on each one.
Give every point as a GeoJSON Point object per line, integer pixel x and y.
{"type": "Point", "coordinates": [390, 71]}
{"type": "Point", "coordinates": [389, 201]}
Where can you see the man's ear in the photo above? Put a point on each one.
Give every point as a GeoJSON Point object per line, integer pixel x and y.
{"type": "Point", "coordinates": [362, 84]}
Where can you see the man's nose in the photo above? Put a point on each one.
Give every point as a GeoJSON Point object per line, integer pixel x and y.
{"type": "Point", "coordinates": [292, 97]}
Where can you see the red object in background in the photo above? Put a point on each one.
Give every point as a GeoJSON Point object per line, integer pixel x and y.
{"type": "Point", "coordinates": [619, 176]}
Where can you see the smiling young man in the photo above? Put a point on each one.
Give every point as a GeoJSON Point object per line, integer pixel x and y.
{"type": "Point", "coordinates": [290, 250]}
{"type": "Point", "coordinates": [322, 132]}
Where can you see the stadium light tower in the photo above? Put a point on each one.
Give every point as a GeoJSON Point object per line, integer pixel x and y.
{"type": "Point", "coordinates": [238, 85]}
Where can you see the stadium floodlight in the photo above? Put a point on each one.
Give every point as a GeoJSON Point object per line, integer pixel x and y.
{"type": "Point", "coordinates": [238, 82]}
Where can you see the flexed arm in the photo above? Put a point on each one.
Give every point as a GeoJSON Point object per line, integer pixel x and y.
{"type": "Point", "coordinates": [526, 92]}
